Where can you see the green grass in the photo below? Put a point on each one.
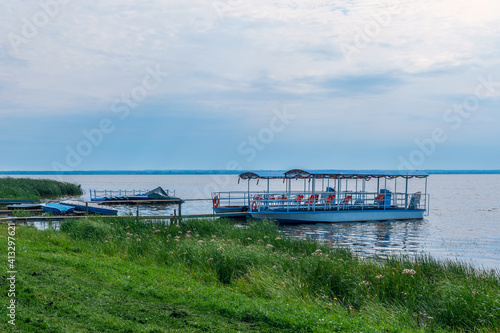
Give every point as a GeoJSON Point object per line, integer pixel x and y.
{"type": "Point", "coordinates": [27, 188]}
{"type": "Point", "coordinates": [215, 276]}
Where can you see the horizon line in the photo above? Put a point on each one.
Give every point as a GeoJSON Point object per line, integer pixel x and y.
{"type": "Point", "coordinates": [212, 171]}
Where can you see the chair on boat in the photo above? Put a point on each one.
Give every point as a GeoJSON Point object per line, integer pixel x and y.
{"type": "Point", "coordinates": [271, 200]}
{"type": "Point", "coordinates": [415, 200]}
{"type": "Point", "coordinates": [312, 199]}
{"type": "Point", "coordinates": [330, 199]}
{"type": "Point", "coordinates": [281, 199]}
{"type": "Point", "coordinates": [346, 199]}
{"type": "Point", "coordinates": [380, 198]}
{"type": "Point", "coordinates": [327, 193]}
{"type": "Point", "coordinates": [299, 198]}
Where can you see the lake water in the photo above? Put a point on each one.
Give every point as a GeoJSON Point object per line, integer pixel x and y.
{"type": "Point", "coordinates": [464, 220]}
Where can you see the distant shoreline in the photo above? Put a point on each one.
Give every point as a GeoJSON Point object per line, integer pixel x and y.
{"type": "Point", "coordinates": [210, 172]}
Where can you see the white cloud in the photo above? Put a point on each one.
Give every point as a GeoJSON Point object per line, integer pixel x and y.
{"type": "Point", "coordinates": [94, 51]}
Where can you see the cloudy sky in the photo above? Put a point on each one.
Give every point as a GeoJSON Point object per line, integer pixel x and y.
{"type": "Point", "coordinates": [226, 84]}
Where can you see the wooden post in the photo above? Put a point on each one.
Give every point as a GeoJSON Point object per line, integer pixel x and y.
{"type": "Point", "coordinates": [86, 208]}
{"type": "Point", "coordinates": [180, 211]}
{"type": "Point", "coordinates": [137, 213]}
{"type": "Point", "coordinates": [175, 216]}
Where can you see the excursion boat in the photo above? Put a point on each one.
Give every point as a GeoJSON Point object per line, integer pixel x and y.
{"type": "Point", "coordinates": [336, 196]}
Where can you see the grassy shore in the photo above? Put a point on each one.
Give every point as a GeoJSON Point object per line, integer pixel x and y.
{"type": "Point", "coordinates": [27, 188]}
{"type": "Point", "coordinates": [214, 276]}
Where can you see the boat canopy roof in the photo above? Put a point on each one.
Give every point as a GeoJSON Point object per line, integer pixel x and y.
{"type": "Point", "coordinates": [354, 174]}
{"type": "Point", "coordinates": [263, 175]}
{"type": "Point", "coordinates": [334, 174]}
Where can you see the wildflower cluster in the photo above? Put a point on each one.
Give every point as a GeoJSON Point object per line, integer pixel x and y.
{"type": "Point", "coordinates": [409, 271]}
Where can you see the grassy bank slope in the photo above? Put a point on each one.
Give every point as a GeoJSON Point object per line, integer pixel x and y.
{"type": "Point", "coordinates": [124, 276]}
{"type": "Point", "coordinates": [26, 188]}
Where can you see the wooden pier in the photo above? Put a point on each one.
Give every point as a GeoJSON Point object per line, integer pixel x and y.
{"type": "Point", "coordinates": [172, 218]}
{"type": "Point", "coordinates": [137, 203]}
{"type": "Point", "coordinates": [9, 211]}
{"type": "Point", "coordinates": [17, 201]}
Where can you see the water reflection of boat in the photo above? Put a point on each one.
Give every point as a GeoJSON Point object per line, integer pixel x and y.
{"type": "Point", "coordinates": [372, 239]}
{"type": "Point", "coordinates": [323, 203]}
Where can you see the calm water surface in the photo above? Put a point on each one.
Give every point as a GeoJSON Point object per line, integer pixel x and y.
{"type": "Point", "coordinates": [464, 220]}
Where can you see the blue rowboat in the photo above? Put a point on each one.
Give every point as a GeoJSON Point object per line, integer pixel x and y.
{"type": "Point", "coordinates": [24, 206]}
{"type": "Point", "coordinates": [91, 208]}
{"type": "Point", "coordinates": [57, 209]}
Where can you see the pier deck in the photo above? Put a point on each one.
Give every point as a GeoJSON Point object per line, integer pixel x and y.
{"type": "Point", "coordinates": [140, 217]}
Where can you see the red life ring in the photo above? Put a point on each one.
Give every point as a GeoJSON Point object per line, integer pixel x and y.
{"type": "Point", "coordinates": [216, 201]}
{"type": "Point", "coordinates": [254, 206]}
{"type": "Point", "coordinates": [380, 197]}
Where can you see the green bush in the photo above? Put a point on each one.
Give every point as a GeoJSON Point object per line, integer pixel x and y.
{"type": "Point", "coordinates": [86, 229]}
{"type": "Point", "coordinates": [27, 188]}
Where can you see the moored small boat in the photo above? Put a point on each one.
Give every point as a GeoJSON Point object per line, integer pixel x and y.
{"type": "Point", "coordinates": [57, 209]}
{"type": "Point", "coordinates": [24, 206]}
{"type": "Point", "coordinates": [89, 207]}
{"type": "Point", "coordinates": [156, 196]}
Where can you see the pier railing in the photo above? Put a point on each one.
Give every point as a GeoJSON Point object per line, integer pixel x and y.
{"type": "Point", "coordinates": [95, 194]}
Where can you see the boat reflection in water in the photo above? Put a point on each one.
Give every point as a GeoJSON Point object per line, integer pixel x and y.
{"type": "Point", "coordinates": [367, 238]}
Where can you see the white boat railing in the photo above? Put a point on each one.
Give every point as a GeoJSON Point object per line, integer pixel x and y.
{"type": "Point", "coordinates": [233, 198]}
{"type": "Point", "coordinates": [300, 200]}
{"type": "Point", "coordinates": [347, 200]}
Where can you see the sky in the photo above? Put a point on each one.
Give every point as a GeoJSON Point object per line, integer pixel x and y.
{"type": "Point", "coordinates": [246, 85]}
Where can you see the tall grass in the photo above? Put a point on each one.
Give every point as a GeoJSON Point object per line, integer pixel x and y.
{"type": "Point", "coordinates": [26, 188]}
{"type": "Point", "coordinates": [256, 260]}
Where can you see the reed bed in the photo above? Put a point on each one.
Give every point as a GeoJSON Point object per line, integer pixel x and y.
{"type": "Point", "coordinates": [27, 188]}
{"type": "Point", "coordinates": [254, 259]}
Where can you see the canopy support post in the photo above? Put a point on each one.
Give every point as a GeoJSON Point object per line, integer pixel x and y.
{"type": "Point", "coordinates": [406, 194]}
{"type": "Point", "coordinates": [313, 193]}
{"type": "Point", "coordinates": [396, 190]}
{"type": "Point", "coordinates": [339, 191]}
{"type": "Point", "coordinates": [425, 193]}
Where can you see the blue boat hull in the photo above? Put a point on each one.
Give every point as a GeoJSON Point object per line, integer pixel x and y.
{"type": "Point", "coordinates": [335, 216]}
{"type": "Point", "coordinates": [92, 208]}
{"type": "Point", "coordinates": [57, 209]}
